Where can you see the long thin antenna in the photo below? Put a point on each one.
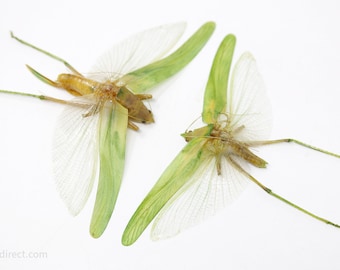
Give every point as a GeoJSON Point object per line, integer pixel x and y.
{"type": "Point", "coordinates": [46, 53]}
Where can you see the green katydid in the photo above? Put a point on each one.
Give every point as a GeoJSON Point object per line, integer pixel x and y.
{"type": "Point", "coordinates": [93, 126]}
{"type": "Point", "coordinates": [212, 169]}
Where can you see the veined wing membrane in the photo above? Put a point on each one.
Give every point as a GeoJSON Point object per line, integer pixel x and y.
{"type": "Point", "coordinates": [146, 77]}
{"type": "Point", "coordinates": [173, 178]}
{"type": "Point", "coordinates": [201, 197]}
{"type": "Point", "coordinates": [247, 103]}
{"type": "Point", "coordinates": [137, 51]}
{"type": "Point", "coordinates": [75, 154]}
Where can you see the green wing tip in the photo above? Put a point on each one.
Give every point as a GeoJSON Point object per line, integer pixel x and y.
{"type": "Point", "coordinates": [95, 234]}
{"type": "Point", "coordinates": [96, 231]}
{"type": "Point", "coordinates": [230, 38]}
{"type": "Point", "coordinates": [127, 240]}
{"type": "Point", "coordinates": [211, 24]}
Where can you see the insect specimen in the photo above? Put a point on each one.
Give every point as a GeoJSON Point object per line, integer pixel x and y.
{"type": "Point", "coordinates": [212, 169]}
{"type": "Point", "coordinates": [92, 128]}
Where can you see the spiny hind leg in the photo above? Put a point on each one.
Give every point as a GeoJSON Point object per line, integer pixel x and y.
{"type": "Point", "coordinates": [71, 68]}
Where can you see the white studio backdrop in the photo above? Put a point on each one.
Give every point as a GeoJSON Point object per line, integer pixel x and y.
{"type": "Point", "coordinates": [296, 44]}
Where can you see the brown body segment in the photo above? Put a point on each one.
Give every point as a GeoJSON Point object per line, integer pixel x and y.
{"type": "Point", "coordinates": [222, 144]}
{"type": "Point", "coordinates": [78, 85]}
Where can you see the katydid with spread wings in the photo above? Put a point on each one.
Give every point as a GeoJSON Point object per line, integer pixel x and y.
{"type": "Point", "coordinates": [213, 168]}
{"type": "Point", "coordinates": [90, 136]}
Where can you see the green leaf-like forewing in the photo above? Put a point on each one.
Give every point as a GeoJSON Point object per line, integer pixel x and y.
{"type": "Point", "coordinates": [174, 177]}
{"type": "Point", "coordinates": [112, 138]}
{"type": "Point", "coordinates": [215, 92]}
{"type": "Point", "coordinates": [146, 77]}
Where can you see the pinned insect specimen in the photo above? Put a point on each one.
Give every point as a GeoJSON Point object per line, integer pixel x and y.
{"type": "Point", "coordinates": [212, 169]}
{"type": "Point", "coordinates": [92, 128]}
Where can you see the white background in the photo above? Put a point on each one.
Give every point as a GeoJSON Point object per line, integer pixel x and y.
{"type": "Point", "coordinates": [296, 44]}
